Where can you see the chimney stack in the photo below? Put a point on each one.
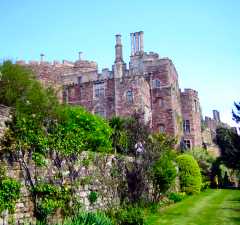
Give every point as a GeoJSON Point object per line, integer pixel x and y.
{"type": "Point", "coordinates": [141, 41]}
{"type": "Point", "coordinates": [41, 57]}
{"type": "Point", "coordinates": [80, 56]}
{"type": "Point", "coordinates": [137, 43]}
{"type": "Point", "coordinates": [118, 49]}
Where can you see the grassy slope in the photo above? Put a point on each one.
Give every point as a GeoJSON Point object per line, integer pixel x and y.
{"type": "Point", "coordinates": [213, 207]}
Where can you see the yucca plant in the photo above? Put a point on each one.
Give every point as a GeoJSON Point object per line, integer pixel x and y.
{"type": "Point", "coordinates": [89, 218]}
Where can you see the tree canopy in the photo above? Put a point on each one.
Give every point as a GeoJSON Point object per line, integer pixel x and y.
{"type": "Point", "coordinates": [229, 143]}
{"type": "Point", "coordinates": [236, 113]}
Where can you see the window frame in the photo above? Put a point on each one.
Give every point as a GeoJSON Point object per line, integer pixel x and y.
{"type": "Point", "coordinates": [186, 126]}
{"type": "Point", "coordinates": [129, 98]}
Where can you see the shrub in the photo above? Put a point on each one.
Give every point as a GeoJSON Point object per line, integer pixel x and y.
{"type": "Point", "coordinates": [89, 219]}
{"type": "Point", "coordinates": [177, 197]}
{"type": "Point", "coordinates": [163, 174]}
{"type": "Point", "coordinates": [130, 215]}
{"type": "Point", "coordinates": [189, 174]}
{"type": "Point", "coordinates": [9, 193]}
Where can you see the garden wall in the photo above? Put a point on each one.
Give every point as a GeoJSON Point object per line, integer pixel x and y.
{"type": "Point", "coordinates": [89, 173]}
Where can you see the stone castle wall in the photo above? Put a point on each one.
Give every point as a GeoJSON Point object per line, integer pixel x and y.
{"type": "Point", "coordinates": [93, 172]}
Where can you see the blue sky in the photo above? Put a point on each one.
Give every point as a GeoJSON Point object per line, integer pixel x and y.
{"type": "Point", "coordinates": [201, 37]}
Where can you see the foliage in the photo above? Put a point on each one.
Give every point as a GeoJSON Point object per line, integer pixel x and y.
{"type": "Point", "coordinates": [163, 174]}
{"type": "Point", "coordinates": [86, 180]}
{"type": "Point", "coordinates": [119, 135]}
{"type": "Point", "coordinates": [42, 127]}
{"type": "Point", "coordinates": [229, 143]}
{"type": "Point", "coordinates": [177, 197]}
{"type": "Point", "coordinates": [236, 113]}
{"type": "Point", "coordinates": [189, 174]}
{"type": "Point", "coordinates": [49, 198]}
{"type": "Point", "coordinates": [89, 218]}
{"type": "Point", "coordinates": [92, 197]}
{"type": "Point", "coordinates": [205, 161]}
{"type": "Point", "coordinates": [220, 174]}
{"type": "Point", "coordinates": [130, 215]}
{"type": "Point", "coordinates": [40, 123]}
{"type": "Point", "coordinates": [9, 192]}
{"type": "Point", "coordinates": [80, 130]}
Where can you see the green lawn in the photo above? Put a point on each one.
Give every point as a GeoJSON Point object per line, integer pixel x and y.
{"type": "Point", "coordinates": [213, 207]}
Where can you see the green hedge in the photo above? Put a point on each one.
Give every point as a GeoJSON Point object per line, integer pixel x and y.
{"type": "Point", "coordinates": [189, 174]}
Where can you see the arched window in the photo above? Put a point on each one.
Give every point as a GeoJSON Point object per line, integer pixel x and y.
{"type": "Point", "coordinates": [100, 111]}
{"type": "Point", "coordinates": [129, 96]}
{"type": "Point", "coordinates": [156, 83]}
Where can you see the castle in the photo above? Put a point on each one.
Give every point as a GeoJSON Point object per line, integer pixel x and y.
{"type": "Point", "coordinates": [148, 85]}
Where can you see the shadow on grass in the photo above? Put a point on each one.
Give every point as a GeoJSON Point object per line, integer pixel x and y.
{"type": "Point", "coordinates": [235, 220]}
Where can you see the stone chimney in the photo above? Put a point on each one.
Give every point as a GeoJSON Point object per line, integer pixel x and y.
{"type": "Point", "coordinates": [80, 56]}
{"type": "Point", "coordinates": [41, 57]}
{"type": "Point", "coordinates": [137, 43]}
{"type": "Point", "coordinates": [118, 49]}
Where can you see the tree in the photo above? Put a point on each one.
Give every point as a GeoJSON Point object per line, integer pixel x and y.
{"type": "Point", "coordinates": [236, 115]}
{"type": "Point", "coordinates": [43, 128]}
{"type": "Point", "coordinates": [229, 143]}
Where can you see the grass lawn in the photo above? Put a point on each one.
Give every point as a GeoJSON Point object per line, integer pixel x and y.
{"type": "Point", "coordinates": [213, 207]}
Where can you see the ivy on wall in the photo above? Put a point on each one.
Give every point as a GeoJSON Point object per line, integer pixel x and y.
{"type": "Point", "coordinates": [9, 192]}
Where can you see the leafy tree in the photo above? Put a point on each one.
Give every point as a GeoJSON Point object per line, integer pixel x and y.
{"type": "Point", "coordinates": [42, 127]}
{"type": "Point", "coordinates": [229, 143]}
{"type": "Point", "coordinates": [236, 115]}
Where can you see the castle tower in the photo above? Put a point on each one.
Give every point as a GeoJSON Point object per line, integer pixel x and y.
{"type": "Point", "coordinates": [216, 116]}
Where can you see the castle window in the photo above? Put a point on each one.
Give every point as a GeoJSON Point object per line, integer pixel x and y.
{"type": "Point", "coordinates": [195, 105]}
{"type": "Point", "coordinates": [129, 96]}
{"type": "Point", "coordinates": [162, 128]}
{"type": "Point", "coordinates": [79, 80]}
{"type": "Point", "coordinates": [99, 90]}
{"type": "Point", "coordinates": [186, 126]}
{"type": "Point", "coordinates": [100, 111]}
{"type": "Point", "coordinates": [187, 144]}
{"type": "Point", "coordinates": [156, 83]}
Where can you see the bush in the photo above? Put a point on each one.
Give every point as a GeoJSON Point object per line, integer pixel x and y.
{"type": "Point", "coordinates": [89, 219]}
{"type": "Point", "coordinates": [189, 174]}
{"type": "Point", "coordinates": [9, 193]}
{"type": "Point", "coordinates": [177, 197]}
{"type": "Point", "coordinates": [163, 174]}
{"type": "Point", "coordinates": [130, 215]}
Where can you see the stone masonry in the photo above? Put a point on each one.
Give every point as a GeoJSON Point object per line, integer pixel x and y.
{"type": "Point", "coordinates": [148, 85]}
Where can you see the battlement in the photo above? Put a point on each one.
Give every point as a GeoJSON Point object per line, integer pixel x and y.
{"type": "Point", "coordinates": [64, 63]}
{"type": "Point", "coordinates": [190, 92]}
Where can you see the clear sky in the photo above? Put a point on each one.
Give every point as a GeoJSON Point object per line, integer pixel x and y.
{"type": "Point", "coordinates": [201, 37]}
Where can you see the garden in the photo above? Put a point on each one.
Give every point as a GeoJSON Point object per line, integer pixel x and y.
{"type": "Point", "coordinates": [125, 174]}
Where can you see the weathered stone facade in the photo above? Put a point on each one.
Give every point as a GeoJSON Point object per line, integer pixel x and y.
{"type": "Point", "coordinates": [149, 85]}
